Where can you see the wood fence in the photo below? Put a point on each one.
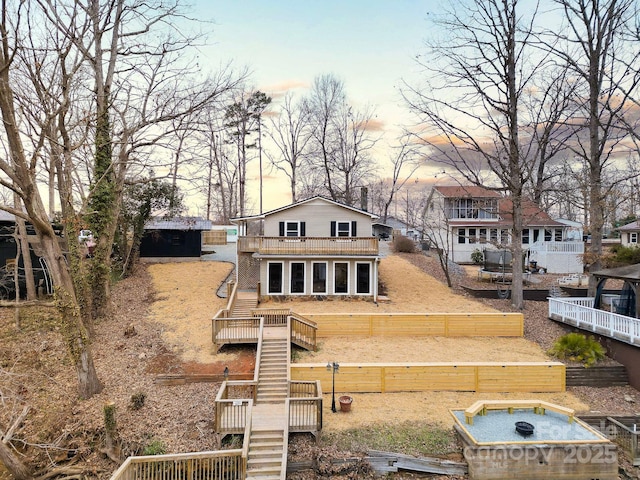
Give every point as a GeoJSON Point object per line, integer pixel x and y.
{"type": "Point", "coordinates": [419, 324]}
{"type": "Point", "coordinates": [422, 377]}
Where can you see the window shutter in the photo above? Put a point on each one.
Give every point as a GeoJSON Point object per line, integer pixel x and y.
{"type": "Point", "coordinates": [354, 232]}
{"type": "Point", "coordinates": [282, 229]}
{"type": "Point", "coordinates": [333, 229]}
{"type": "Point", "coordinates": [303, 229]}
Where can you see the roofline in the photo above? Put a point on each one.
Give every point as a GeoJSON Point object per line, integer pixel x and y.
{"type": "Point", "coordinates": [301, 202]}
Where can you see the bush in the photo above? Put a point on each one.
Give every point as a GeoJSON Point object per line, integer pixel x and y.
{"type": "Point", "coordinates": [576, 347]}
{"type": "Point", "coordinates": [623, 255]}
{"type": "Point", "coordinates": [403, 244]}
{"type": "Point", "coordinates": [477, 256]}
{"type": "Point", "coordinates": [155, 447]}
{"type": "Point", "coordinates": [136, 402]}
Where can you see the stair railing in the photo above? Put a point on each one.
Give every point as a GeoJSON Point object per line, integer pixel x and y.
{"type": "Point", "coordinates": [303, 332]}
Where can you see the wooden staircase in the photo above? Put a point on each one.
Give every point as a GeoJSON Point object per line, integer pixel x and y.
{"type": "Point", "coordinates": [273, 385]}
{"type": "Point", "coordinates": [269, 433]}
{"type": "Point", "coordinates": [244, 304]}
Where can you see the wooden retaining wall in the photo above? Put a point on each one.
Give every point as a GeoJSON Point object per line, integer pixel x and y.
{"type": "Point", "coordinates": [422, 377]}
{"type": "Point", "coordinates": [419, 324]}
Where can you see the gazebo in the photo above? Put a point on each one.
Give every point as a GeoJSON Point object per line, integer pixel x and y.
{"type": "Point", "coordinates": [626, 304]}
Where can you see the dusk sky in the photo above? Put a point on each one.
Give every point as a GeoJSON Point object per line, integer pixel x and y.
{"type": "Point", "coordinates": [370, 45]}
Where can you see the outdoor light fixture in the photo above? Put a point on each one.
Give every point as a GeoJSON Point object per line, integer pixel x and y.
{"type": "Point", "coordinates": [333, 367]}
{"type": "Point", "coordinates": [226, 373]}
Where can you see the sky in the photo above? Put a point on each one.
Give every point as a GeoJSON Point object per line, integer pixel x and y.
{"type": "Point", "coordinates": [370, 45]}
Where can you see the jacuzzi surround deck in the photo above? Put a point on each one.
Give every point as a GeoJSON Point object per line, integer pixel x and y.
{"type": "Point", "coordinates": [561, 446]}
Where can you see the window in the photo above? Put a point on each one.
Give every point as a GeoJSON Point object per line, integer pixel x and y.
{"type": "Point", "coordinates": [472, 235]}
{"type": "Point", "coordinates": [547, 235]}
{"type": "Point", "coordinates": [297, 277]}
{"type": "Point", "coordinates": [525, 236]}
{"type": "Point", "coordinates": [536, 235]}
{"type": "Point", "coordinates": [461, 235]}
{"type": "Point", "coordinates": [483, 235]}
{"type": "Point", "coordinates": [363, 278]}
{"type": "Point", "coordinates": [481, 208]}
{"type": "Point", "coordinates": [319, 279]}
{"type": "Point", "coordinates": [633, 237]}
{"type": "Point", "coordinates": [344, 229]}
{"type": "Point", "coordinates": [504, 237]}
{"type": "Point", "coordinates": [340, 277]}
{"type": "Point", "coordinates": [274, 273]}
{"type": "Point", "coordinates": [558, 235]}
{"type": "Point", "coordinates": [493, 235]}
{"type": "Point", "coordinates": [292, 229]}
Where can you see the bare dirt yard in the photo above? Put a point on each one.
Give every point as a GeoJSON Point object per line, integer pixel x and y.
{"type": "Point", "coordinates": [168, 307]}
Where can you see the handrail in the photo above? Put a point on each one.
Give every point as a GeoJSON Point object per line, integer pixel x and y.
{"type": "Point", "coordinates": [285, 443]}
{"type": "Point", "coordinates": [303, 331]}
{"type": "Point", "coordinates": [256, 370]}
{"type": "Point", "coordinates": [310, 245]}
{"type": "Point", "coordinates": [580, 312]}
{"type": "Point", "coordinates": [231, 464]}
{"type": "Point", "coordinates": [272, 316]}
{"type": "Point", "coordinates": [233, 295]}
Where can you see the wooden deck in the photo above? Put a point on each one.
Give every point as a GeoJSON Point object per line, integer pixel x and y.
{"type": "Point", "coordinates": [309, 245]}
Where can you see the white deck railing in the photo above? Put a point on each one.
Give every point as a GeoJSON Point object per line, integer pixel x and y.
{"type": "Point", "coordinates": [579, 312]}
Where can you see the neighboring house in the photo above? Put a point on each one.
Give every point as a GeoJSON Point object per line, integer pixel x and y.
{"type": "Point", "coordinates": [630, 234]}
{"type": "Point", "coordinates": [179, 237]}
{"type": "Point", "coordinates": [469, 218]}
{"type": "Point", "coordinates": [316, 247]}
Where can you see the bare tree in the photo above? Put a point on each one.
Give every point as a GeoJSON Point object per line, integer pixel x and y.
{"type": "Point", "coordinates": [405, 162]}
{"type": "Point", "coordinates": [472, 106]}
{"type": "Point", "coordinates": [596, 50]}
{"type": "Point", "coordinates": [290, 133]}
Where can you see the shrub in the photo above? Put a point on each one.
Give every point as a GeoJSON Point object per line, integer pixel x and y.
{"type": "Point", "coordinates": [137, 401]}
{"type": "Point", "coordinates": [155, 447]}
{"type": "Point", "coordinates": [576, 347]}
{"type": "Point", "coordinates": [477, 256]}
{"type": "Point", "coordinates": [623, 255]}
{"type": "Point", "coordinates": [403, 244]}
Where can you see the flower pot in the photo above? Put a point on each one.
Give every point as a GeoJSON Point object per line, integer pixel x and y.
{"type": "Point", "coordinates": [345, 403]}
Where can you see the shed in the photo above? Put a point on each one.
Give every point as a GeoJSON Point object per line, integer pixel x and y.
{"type": "Point", "coordinates": [178, 237]}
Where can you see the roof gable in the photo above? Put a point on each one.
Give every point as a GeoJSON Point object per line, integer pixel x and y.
{"type": "Point", "coordinates": [311, 200]}
{"type": "Point", "coordinates": [466, 191]}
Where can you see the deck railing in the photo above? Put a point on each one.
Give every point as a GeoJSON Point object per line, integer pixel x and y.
{"type": "Point", "coordinates": [273, 317]}
{"type": "Point", "coordinates": [233, 410]}
{"type": "Point", "coordinates": [576, 248]}
{"type": "Point", "coordinates": [305, 406]}
{"type": "Point", "coordinates": [309, 245]}
{"type": "Point", "coordinates": [580, 313]}
{"type": "Point", "coordinates": [303, 332]}
{"type": "Point", "coordinates": [232, 295]}
{"type": "Point", "coordinates": [214, 465]}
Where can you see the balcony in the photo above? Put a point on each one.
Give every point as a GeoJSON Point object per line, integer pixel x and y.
{"type": "Point", "coordinates": [308, 245]}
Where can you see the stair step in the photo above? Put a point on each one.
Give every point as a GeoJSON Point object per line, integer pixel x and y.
{"type": "Point", "coordinates": [271, 453]}
{"type": "Point", "coordinates": [264, 462]}
{"type": "Point", "coordinates": [264, 473]}
{"type": "Point", "coordinates": [266, 445]}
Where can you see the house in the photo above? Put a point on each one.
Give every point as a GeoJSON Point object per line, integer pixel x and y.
{"type": "Point", "coordinates": [470, 218]}
{"type": "Point", "coordinates": [179, 237]}
{"type": "Point", "coordinates": [630, 233]}
{"type": "Point", "coordinates": [316, 247]}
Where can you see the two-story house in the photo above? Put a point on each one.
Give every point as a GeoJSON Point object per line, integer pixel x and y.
{"type": "Point", "coordinates": [470, 218]}
{"type": "Point", "coordinates": [630, 234]}
{"type": "Point", "coordinates": [316, 247]}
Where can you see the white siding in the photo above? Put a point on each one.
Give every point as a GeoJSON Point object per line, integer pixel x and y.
{"type": "Point", "coordinates": [318, 215]}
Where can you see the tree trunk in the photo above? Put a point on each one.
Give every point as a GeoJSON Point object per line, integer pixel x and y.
{"type": "Point", "coordinates": [18, 470]}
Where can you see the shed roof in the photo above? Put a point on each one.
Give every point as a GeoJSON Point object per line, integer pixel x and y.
{"type": "Point", "coordinates": [181, 223]}
{"type": "Point", "coordinates": [630, 226]}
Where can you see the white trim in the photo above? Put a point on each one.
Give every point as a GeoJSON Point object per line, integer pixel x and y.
{"type": "Point", "coordinates": [304, 278]}
{"type": "Point", "coordinates": [281, 292]}
{"type": "Point", "coordinates": [370, 279]}
{"type": "Point", "coordinates": [286, 228]}
{"type": "Point", "coordinates": [349, 232]}
{"type": "Point", "coordinates": [334, 278]}
{"type": "Point", "coordinates": [326, 278]}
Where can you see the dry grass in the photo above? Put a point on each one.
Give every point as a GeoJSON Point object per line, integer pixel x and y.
{"type": "Point", "coordinates": [186, 301]}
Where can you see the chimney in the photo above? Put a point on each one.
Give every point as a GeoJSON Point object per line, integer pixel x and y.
{"type": "Point", "coordinates": [364, 200]}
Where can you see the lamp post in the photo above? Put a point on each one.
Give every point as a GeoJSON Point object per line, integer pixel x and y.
{"type": "Point", "coordinates": [333, 367]}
